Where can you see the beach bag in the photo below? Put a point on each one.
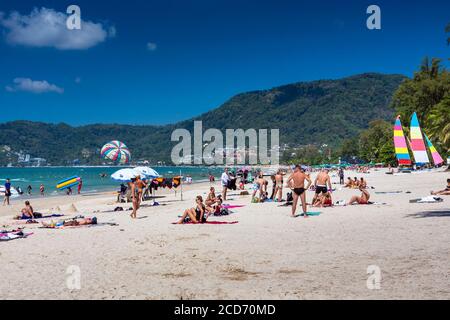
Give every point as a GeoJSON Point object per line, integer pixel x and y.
{"type": "Point", "coordinates": [289, 197]}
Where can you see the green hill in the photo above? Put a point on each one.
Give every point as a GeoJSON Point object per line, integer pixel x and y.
{"type": "Point", "coordinates": [325, 111]}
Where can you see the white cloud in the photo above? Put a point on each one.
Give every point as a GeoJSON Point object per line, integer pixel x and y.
{"type": "Point", "coordinates": [47, 28]}
{"type": "Point", "coordinates": [28, 85]}
{"type": "Point", "coordinates": [151, 46]}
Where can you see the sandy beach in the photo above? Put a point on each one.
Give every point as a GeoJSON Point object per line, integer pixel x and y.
{"type": "Point", "coordinates": [266, 255]}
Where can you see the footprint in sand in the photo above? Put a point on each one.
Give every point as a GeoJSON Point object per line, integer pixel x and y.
{"type": "Point", "coordinates": [238, 274]}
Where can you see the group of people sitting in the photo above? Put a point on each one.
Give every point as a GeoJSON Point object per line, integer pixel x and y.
{"type": "Point", "coordinates": [202, 210]}
{"type": "Point", "coordinates": [356, 183]}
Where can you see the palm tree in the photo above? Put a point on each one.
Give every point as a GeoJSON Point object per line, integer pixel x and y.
{"type": "Point", "coordinates": [439, 124]}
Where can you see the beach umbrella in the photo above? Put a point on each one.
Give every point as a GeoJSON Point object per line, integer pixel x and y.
{"type": "Point", "coordinates": [147, 172]}
{"type": "Point", "coordinates": [124, 175]}
{"type": "Point", "coordinates": [116, 151]}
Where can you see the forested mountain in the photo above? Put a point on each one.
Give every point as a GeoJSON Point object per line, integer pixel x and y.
{"type": "Point", "coordinates": [325, 111]}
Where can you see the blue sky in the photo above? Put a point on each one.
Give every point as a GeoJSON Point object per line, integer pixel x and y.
{"type": "Point", "coordinates": [156, 62]}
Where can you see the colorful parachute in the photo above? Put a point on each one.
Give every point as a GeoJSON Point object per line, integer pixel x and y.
{"type": "Point", "coordinates": [116, 151]}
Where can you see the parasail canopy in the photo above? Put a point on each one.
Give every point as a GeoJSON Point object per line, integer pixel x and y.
{"type": "Point", "coordinates": [116, 151]}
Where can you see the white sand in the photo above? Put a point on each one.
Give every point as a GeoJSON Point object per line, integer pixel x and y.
{"type": "Point", "coordinates": [267, 255]}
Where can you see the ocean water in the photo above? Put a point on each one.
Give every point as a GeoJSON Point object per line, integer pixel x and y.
{"type": "Point", "coordinates": [92, 181]}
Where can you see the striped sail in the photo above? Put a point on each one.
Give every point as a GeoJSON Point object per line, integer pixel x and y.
{"type": "Point", "coordinates": [401, 150]}
{"type": "Point", "coordinates": [417, 144]}
{"type": "Point", "coordinates": [437, 159]}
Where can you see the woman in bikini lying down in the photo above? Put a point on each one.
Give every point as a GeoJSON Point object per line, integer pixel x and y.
{"type": "Point", "coordinates": [363, 199]}
{"type": "Point", "coordinates": [70, 222]}
{"type": "Point", "coordinates": [196, 214]}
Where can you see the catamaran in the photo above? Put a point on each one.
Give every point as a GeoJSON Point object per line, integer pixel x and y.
{"type": "Point", "coordinates": [416, 143]}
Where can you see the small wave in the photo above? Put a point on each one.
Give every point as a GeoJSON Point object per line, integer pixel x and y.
{"type": "Point", "coordinates": [16, 180]}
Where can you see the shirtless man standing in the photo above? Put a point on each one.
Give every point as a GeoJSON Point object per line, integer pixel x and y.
{"type": "Point", "coordinates": [322, 181]}
{"type": "Point", "coordinates": [297, 183]}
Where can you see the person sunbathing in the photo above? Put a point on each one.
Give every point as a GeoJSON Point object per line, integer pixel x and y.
{"type": "Point", "coordinates": [445, 192]}
{"type": "Point", "coordinates": [363, 199]}
{"type": "Point", "coordinates": [70, 222]}
{"type": "Point", "coordinates": [196, 214]}
{"type": "Point", "coordinates": [28, 213]}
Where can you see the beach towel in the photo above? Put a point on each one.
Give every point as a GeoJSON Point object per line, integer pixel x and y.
{"type": "Point", "coordinates": [309, 214]}
{"type": "Point", "coordinates": [428, 199]}
{"type": "Point", "coordinates": [210, 222]}
{"type": "Point", "coordinates": [230, 206]}
{"type": "Point", "coordinates": [7, 236]}
{"type": "Point", "coordinates": [388, 192]}
{"type": "Point", "coordinates": [45, 217]}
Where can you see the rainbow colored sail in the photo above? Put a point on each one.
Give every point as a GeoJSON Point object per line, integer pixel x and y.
{"type": "Point", "coordinates": [437, 159]}
{"type": "Point", "coordinates": [401, 149]}
{"type": "Point", "coordinates": [417, 144]}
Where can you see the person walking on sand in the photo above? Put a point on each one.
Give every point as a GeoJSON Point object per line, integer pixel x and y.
{"type": "Point", "coordinates": [134, 196]}
{"type": "Point", "coordinates": [7, 192]}
{"type": "Point", "coordinates": [42, 189]}
{"type": "Point", "coordinates": [140, 185]}
{"type": "Point", "coordinates": [80, 185]}
{"type": "Point", "coordinates": [296, 182]}
{"type": "Point", "coordinates": [320, 184]}
{"type": "Point", "coordinates": [224, 180]}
